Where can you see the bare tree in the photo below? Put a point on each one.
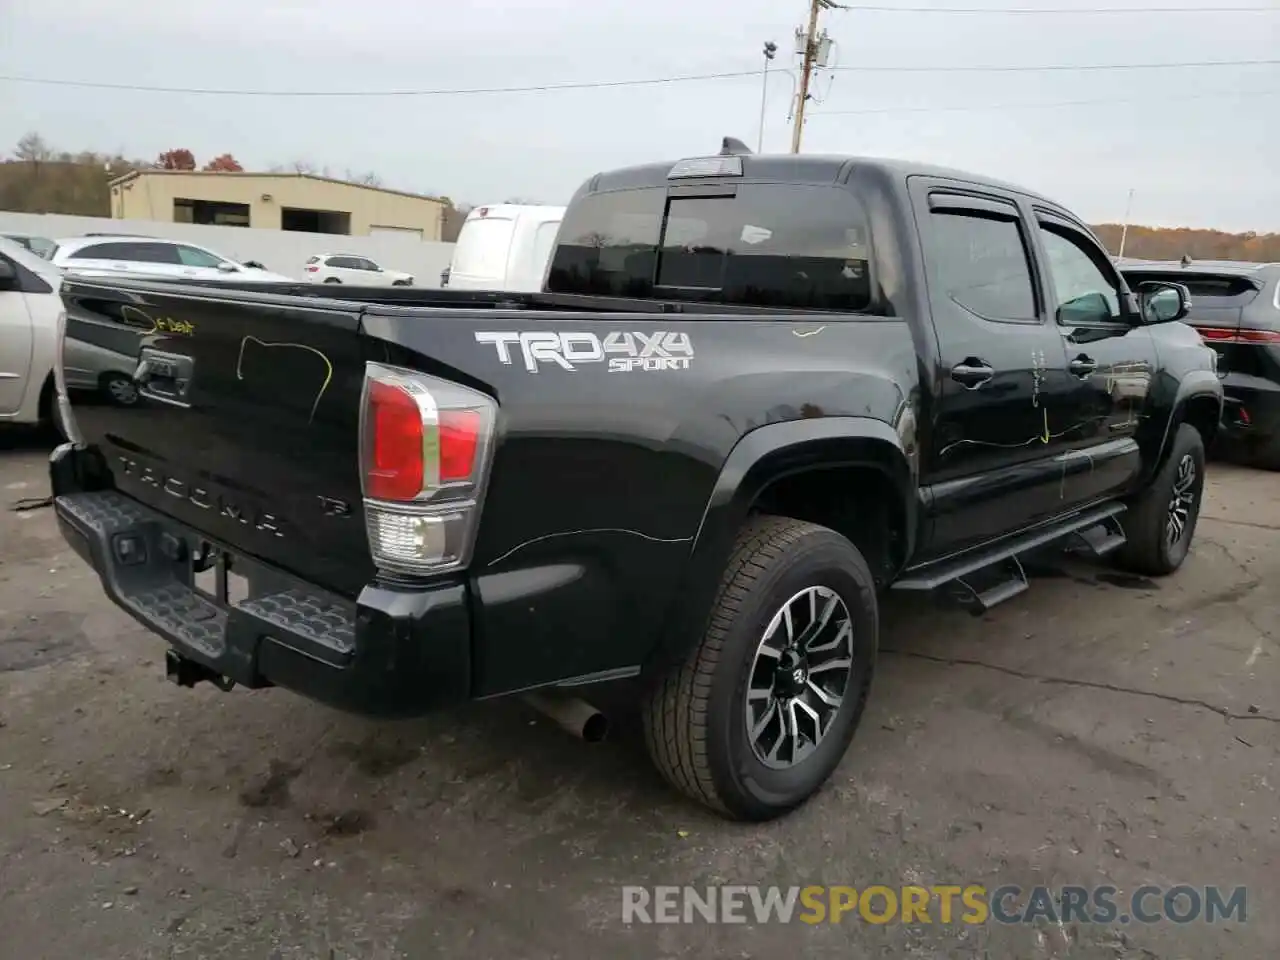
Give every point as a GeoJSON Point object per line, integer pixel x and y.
{"type": "Point", "coordinates": [33, 149]}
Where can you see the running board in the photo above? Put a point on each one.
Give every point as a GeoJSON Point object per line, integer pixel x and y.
{"type": "Point", "coordinates": [948, 571]}
{"type": "Point", "coordinates": [1099, 540]}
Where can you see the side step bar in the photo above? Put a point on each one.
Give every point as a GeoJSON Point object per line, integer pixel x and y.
{"type": "Point", "coordinates": [983, 579]}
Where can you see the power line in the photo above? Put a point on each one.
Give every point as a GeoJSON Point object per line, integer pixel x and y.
{"type": "Point", "coordinates": [443, 92]}
{"type": "Point", "coordinates": [868, 8]}
{"type": "Point", "coordinates": [896, 68]}
{"type": "Point", "coordinates": [606, 84]}
{"type": "Point", "coordinates": [1025, 105]}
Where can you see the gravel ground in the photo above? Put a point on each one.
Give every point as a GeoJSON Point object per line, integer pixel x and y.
{"type": "Point", "coordinates": [1097, 729]}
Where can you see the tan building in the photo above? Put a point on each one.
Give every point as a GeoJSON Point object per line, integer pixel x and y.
{"type": "Point", "coordinates": [275, 201]}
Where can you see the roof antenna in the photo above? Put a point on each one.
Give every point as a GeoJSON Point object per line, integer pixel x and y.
{"type": "Point", "coordinates": [732, 146]}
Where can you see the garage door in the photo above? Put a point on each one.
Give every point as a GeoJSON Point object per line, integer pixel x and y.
{"type": "Point", "coordinates": [395, 231]}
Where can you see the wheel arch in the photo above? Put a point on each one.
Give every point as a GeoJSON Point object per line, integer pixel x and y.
{"type": "Point", "coordinates": [775, 466]}
{"type": "Point", "coordinates": [1198, 401]}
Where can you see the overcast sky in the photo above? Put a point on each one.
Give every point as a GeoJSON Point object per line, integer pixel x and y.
{"type": "Point", "coordinates": [1208, 162]}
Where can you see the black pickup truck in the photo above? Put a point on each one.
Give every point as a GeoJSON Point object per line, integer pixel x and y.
{"type": "Point", "coordinates": [755, 393]}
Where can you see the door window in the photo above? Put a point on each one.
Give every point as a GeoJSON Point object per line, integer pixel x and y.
{"type": "Point", "coordinates": [980, 263]}
{"type": "Point", "coordinates": [194, 257]}
{"type": "Point", "coordinates": [1084, 292]}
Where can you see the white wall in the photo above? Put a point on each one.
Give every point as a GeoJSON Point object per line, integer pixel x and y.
{"type": "Point", "coordinates": [278, 250]}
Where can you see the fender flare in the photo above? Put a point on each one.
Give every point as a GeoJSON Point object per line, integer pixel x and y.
{"type": "Point", "coordinates": [759, 458]}
{"type": "Point", "coordinates": [1195, 385]}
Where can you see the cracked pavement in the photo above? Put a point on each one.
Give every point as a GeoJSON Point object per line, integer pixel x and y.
{"type": "Point", "coordinates": [1100, 728]}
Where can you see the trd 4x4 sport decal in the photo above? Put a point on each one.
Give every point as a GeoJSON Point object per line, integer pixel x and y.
{"type": "Point", "coordinates": [659, 350]}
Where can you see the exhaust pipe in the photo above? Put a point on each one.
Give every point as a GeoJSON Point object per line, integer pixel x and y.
{"type": "Point", "coordinates": [576, 716]}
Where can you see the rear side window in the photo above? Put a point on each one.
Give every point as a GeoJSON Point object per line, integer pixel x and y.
{"type": "Point", "coordinates": [135, 252]}
{"type": "Point", "coordinates": [980, 262]}
{"type": "Point", "coordinates": [776, 245]}
{"type": "Point", "coordinates": [483, 246]}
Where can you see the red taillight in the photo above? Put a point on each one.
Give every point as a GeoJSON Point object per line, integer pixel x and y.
{"type": "Point", "coordinates": [1232, 335]}
{"type": "Point", "coordinates": [424, 447]}
{"type": "Point", "coordinates": [1259, 336]}
{"type": "Point", "coordinates": [459, 440]}
{"type": "Point", "coordinates": [396, 471]}
{"type": "Point", "coordinates": [312, 269]}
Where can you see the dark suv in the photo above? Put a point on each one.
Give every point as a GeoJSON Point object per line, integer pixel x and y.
{"type": "Point", "coordinates": [1236, 308]}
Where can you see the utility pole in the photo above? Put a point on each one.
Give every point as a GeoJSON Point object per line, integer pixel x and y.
{"type": "Point", "coordinates": [812, 49]}
{"type": "Point", "coordinates": [770, 51]}
{"type": "Point", "coordinates": [1124, 230]}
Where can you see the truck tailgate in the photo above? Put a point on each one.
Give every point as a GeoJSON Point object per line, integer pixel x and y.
{"type": "Point", "coordinates": [245, 425]}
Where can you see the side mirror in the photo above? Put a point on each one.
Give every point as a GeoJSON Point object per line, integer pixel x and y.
{"type": "Point", "coordinates": [228, 267]}
{"type": "Point", "coordinates": [1163, 302]}
{"type": "Point", "coordinates": [7, 273]}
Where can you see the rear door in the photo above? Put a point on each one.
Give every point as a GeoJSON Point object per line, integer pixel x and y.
{"type": "Point", "coordinates": [246, 425]}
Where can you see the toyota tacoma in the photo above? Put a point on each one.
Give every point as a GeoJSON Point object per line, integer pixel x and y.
{"type": "Point", "coordinates": [755, 393]}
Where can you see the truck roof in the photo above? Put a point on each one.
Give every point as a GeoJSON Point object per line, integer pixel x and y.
{"type": "Point", "coordinates": [792, 168]}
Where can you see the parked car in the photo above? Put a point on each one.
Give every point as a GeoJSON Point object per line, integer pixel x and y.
{"type": "Point", "coordinates": [504, 246]}
{"type": "Point", "coordinates": [41, 246]}
{"type": "Point", "coordinates": [349, 268]}
{"type": "Point", "coordinates": [1236, 309]}
{"type": "Point", "coordinates": [757, 392]}
{"type": "Point", "coordinates": [29, 309]}
{"type": "Point", "coordinates": [156, 257]}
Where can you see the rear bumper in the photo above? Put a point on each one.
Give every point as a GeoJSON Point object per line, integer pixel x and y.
{"type": "Point", "coordinates": [1251, 410]}
{"type": "Point", "coordinates": [390, 653]}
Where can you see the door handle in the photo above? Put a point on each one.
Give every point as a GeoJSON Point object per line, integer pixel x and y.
{"type": "Point", "coordinates": [971, 373]}
{"type": "Point", "coordinates": [1082, 366]}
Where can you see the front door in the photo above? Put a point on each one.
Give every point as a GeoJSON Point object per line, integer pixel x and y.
{"type": "Point", "coordinates": [1111, 359]}
{"type": "Point", "coordinates": [1002, 390]}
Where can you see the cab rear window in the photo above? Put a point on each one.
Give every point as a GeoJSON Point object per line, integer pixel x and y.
{"type": "Point", "coordinates": [774, 245]}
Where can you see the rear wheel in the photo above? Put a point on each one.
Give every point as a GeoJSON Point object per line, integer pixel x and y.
{"type": "Point", "coordinates": [760, 714]}
{"type": "Point", "coordinates": [332, 280]}
{"type": "Point", "coordinates": [1161, 523]}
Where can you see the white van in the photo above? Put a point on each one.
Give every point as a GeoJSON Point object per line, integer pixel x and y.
{"type": "Point", "coordinates": [504, 246]}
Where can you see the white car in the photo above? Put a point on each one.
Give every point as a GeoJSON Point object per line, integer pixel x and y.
{"type": "Point", "coordinates": [349, 268]}
{"type": "Point", "coordinates": [29, 308]}
{"type": "Point", "coordinates": [155, 257]}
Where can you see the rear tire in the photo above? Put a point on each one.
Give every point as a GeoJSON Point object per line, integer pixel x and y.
{"type": "Point", "coordinates": [332, 280]}
{"type": "Point", "coordinates": [1161, 522]}
{"type": "Point", "coordinates": [762, 637]}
